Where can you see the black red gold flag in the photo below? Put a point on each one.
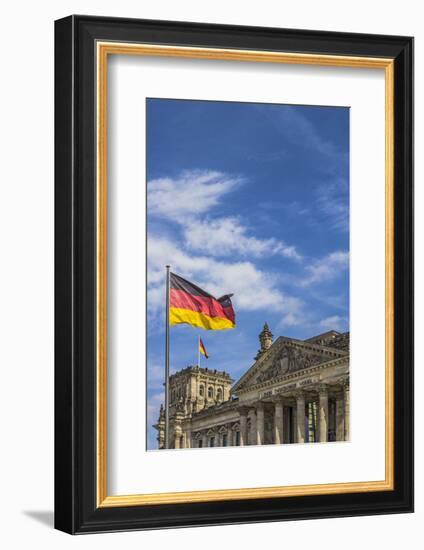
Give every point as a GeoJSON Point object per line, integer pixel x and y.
{"type": "Point", "coordinates": [191, 305]}
{"type": "Point", "coordinates": [202, 349]}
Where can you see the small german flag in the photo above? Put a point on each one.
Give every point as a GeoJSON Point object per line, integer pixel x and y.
{"type": "Point", "coordinates": [202, 349]}
{"type": "Point", "coordinates": [189, 304]}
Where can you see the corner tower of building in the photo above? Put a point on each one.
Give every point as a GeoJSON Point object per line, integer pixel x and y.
{"type": "Point", "coordinates": [265, 339]}
{"type": "Point", "coordinates": [193, 388]}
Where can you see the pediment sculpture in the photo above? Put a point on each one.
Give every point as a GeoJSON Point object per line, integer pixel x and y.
{"type": "Point", "coordinates": [289, 359]}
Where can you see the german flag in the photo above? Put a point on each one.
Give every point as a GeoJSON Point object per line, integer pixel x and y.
{"type": "Point", "coordinates": [202, 349]}
{"type": "Point", "coordinates": [191, 305]}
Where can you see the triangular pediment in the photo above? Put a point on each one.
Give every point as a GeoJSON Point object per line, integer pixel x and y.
{"type": "Point", "coordinates": [285, 356]}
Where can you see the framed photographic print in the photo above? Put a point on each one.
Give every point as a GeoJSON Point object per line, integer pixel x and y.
{"type": "Point", "coordinates": [233, 274]}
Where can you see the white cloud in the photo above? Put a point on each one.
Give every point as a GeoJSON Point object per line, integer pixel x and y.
{"type": "Point", "coordinates": [155, 376]}
{"type": "Point", "coordinates": [326, 269]}
{"type": "Point", "coordinates": [333, 323]}
{"type": "Point", "coordinates": [228, 236]}
{"type": "Point", "coordinates": [185, 199]}
{"type": "Point", "coordinates": [332, 201]}
{"type": "Point", "coordinates": [253, 288]}
{"type": "Point", "coordinates": [155, 401]}
{"type": "Point", "coordinates": [332, 196]}
{"type": "Point", "coordinates": [295, 316]}
{"type": "Point", "coordinates": [298, 129]}
{"type": "Point", "coordinates": [192, 193]}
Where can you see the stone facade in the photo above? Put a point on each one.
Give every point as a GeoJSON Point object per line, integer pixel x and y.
{"type": "Point", "coordinates": [296, 391]}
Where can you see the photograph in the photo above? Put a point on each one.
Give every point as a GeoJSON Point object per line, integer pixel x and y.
{"type": "Point", "coordinates": [247, 274]}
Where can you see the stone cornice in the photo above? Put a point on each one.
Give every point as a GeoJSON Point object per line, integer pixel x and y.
{"type": "Point", "coordinates": [202, 371]}
{"type": "Point", "coordinates": [216, 409]}
{"type": "Point", "coordinates": [294, 375]}
{"type": "Point", "coordinates": [213, 379]}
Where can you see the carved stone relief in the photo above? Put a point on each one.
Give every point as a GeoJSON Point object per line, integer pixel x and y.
{"type": "Point", "coordinates": [289, 359]}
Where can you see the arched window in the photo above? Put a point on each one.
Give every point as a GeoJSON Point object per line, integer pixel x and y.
{"type": "Point", "coordinates": [219, 394]}
{"type": "Point", "coordinates": [201, 390]}
{"type": "Point", "coordinates": [210, 392]}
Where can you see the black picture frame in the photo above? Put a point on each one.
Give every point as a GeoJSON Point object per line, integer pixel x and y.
{"type": "Point", "coordinates": [76, 510]}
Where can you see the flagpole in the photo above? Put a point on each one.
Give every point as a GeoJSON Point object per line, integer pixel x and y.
{"type": "Point", "coordinates": [198, 351]}
{"type": "Point", "coordinates": [167, 360]}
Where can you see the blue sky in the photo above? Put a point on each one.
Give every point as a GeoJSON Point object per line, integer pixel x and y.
{"type": "Point", "coordinates": [250, 199]}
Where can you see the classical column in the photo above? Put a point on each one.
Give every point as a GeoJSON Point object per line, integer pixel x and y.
{"type": "Point", "coordinates": [243, 426]}
{"type": "Point", "coordinates": [323, 413]}
{"type": "Point", "coordinates": [260, 424]}
{"type": "Point", "coordinates": [339, 417]}
{"type": "Point", "coordinates": [293, 426]}
{"type": "Point", "coordinates": [278, 422]}
{"type": "Point", "coordinates": [252, 434]}
{"type": "Point", "coordinates": [177, 440]}
{"type": "Point", "coordinates": [205, 440]}
{"type": "Point", "coordinates": [346, 409]}
{"type": "Point", "coordinates": [229, 437]}
{"type": "Point", "coordinates": [300, 415]}
{"type": "Point", "coordinates": [314, 415]}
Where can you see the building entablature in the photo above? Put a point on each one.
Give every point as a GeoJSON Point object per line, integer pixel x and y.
{"type": "Point", "coordinates": [317, 372]}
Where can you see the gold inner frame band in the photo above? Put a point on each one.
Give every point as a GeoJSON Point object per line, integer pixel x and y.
{"type": "Point", "coordinates": [104, 49]}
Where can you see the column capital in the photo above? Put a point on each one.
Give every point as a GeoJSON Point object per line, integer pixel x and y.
{"type": "Point", "coordinates": [243, 410]}
{"type": "Point", "coordinates": [322, 389]}
{"type": "Point", "coordinates": [346, 384]}
{"type": "Point", "coordinates": [278, 404]}
{"type": "Point", "coordinates": [299, 394]}
{"type": "Point", "coordinates": [276, 399]}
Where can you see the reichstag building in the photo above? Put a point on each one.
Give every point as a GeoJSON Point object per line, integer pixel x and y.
{"type": "Point", "coordinates": [296, 391]}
